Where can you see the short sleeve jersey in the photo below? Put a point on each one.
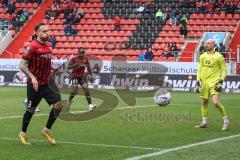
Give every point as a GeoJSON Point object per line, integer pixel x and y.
{"type": "Point", "coordinates": [39, 61]}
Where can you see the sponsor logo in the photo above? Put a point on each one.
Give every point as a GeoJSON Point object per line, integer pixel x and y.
{"type": "Point", "coordinates": [128, 82]}
{"type": "Point", "coordinates": [46, 56]}
{"type": "Point", "coordinates": [27, 50]}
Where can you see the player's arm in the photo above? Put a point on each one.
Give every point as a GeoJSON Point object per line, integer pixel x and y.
{"type": "Point", "coordinates": [218, 85]}
{"type": "Point", "coordinates": [89, 68]}
{"type": "Point", "coordinates": [55, 70]}
{"type": "Point", "coordinates": [72, 64]}
{"type": "Point", "coordinates": [23, 66]}
{"type": "Point", "coordinates": [223, 68]}
{"type": "Point", "coordinates": [199, 71]}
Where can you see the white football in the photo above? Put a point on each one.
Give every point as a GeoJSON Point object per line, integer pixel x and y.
{"type": "Point", "coordinates": [162, 99]}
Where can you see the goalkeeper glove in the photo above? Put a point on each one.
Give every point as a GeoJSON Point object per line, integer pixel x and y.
{"type": "Point", "coordinates": [218, 86]}
{"type": "Point", "coordinates": [198, 84]}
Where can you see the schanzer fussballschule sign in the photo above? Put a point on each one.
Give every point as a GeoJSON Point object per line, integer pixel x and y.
{"type": "Point", "coordinates": [181, 76]}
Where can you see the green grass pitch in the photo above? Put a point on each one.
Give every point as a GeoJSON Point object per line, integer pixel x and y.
{"type": "Point", "coordinates": [121, 134]}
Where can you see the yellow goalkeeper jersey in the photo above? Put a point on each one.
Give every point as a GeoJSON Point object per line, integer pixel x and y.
{"type": "Point", "coordinates": [211, 68]}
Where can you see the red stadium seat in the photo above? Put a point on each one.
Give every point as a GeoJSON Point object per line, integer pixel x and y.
{"type": "Point", "coordinates": [229, 16]}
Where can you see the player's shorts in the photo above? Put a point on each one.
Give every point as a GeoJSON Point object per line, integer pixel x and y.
{"type": "Point", "coordinates": [79, 80]}
{"type": "Point", "coordinates": [207, 91]}
{"type": "Point", "coordinates": [44, 91]}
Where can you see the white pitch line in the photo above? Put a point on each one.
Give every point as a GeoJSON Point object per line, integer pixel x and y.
{"type": "Point", "coordinates": [87, 144]}
{"type": "Point", "coordinates": [11, 117]}
{"type": "Point", "coordinates": [164, 151]}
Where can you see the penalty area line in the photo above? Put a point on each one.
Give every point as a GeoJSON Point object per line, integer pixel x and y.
{"type": "Point", "coordinates": [161, 152]}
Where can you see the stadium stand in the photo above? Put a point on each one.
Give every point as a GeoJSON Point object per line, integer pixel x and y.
{"type": "Point", "coordinates": [14, 15]}
{"type": "Point", "coordinates": [139, 27]}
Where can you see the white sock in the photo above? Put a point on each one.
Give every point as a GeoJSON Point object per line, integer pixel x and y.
{"type": "Point", "coordinates": [204, 120]}
{"type": "Point", "coordinates": [225, 119]}
{"type": "Point", "coordinates": [46, 129]}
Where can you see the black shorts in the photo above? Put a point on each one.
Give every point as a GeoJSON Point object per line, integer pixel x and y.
{"type": "Point", "coordinates": [79, 80]}
{"type": "Point", "coordinates": [44, 91]}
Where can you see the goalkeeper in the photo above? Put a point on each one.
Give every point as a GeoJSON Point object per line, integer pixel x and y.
{"type": "Point", "coordinates": [211, 74]}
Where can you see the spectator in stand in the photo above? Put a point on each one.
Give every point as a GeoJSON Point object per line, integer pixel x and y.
{"type": "Point", "coordinates": [165, 16]}
{"type": "Point", "coordinates": [71, 6]}
{"type": "Point", "coordinates": [184, 19]}
{"type": "Point", "coordinates": [209, 7]}
{"type": "Point", "coordinates": [173, 50]}
{"type": "Point", "coordinates": [166, 51]}
{"type": "Point", "coordinates": [69, 19]}
{"type": "Point", "coordinates": [231, 7]}
{"type": "Point", "coordinates": [175, 20]}
{"type": "Point", "coordinates": [159, 14]}
{"type": "Point", "coordinates": [56, 8]}
{"type": "Point", "coordinates": [22, 19]}
{"type": "Point", "coordinates": [5, 3]}
{"type": "Point", "coordinates": [11, 7]}
{"type": "Point", "coordinates": [149, 55]}
{"type": "Point", "coordinates": [48, 13]}
{"type": "Point", "coordinates": [80, 1]}
{"type": "Point", "coordinates": [64, 9]}
{"type": "Point", "coordinates": [76, 19]}
{"type": "Point", "coordinates": [52, 40]}
{"type": "Point", "coordinates": [5, 23]}
{"type": "Point", "coordinates": [117, 23]}
{"type": "Point", "coordinates": [202, 48]}
{"type": "Point", "coordinates": [141, 57]}
{"type": "Point", "coordinates": [80, 12]}
{"type": "Point", "coordinates": [25, 13]}
{"type": "Point", "coordinates": [183, 30]}
{"type": "Point", "coordinates": [69, 31]}
{"type": "Point", "coordinates": [238, 9]}
{"type": "Point", "coordinates": [149, 8]}
{"type": "Point", "coordinates": [222, 49]}
{"type": "Point", "coordinates": [200, 6]}
{"type": "Point", "coordinates": [57, 1]}
{"type": "Point", "coordinates": [16, 23]}
{"type": "Point", "coordinates": [141, 9]}
{"type": "Point", "coordinates": [38, 1]}
{"type": "Point", "coordinates": [185, 4]}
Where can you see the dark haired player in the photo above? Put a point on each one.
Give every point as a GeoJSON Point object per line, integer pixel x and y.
{"type": "Point", "coordinates": [36, 64]}
{"type": "Point", "coordinates": [78, 65]}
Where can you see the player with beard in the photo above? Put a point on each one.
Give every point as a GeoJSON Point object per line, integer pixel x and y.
{"type": "Point", "coordinates": [36, 64]}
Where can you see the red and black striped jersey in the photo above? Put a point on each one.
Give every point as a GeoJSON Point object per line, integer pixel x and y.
{"type": "Point", "coordinates": [39, 57]}
{"type": "Point", "coordinates": [79, 70]}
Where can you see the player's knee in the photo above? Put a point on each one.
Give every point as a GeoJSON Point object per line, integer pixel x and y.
{"type": "Point", "coordinates": [85, 88]}
{"type": "Point", "coordinates": [58, 106]}
{"type": "Point", "coordinates": [31, 109]}
{"type": "Point", "coordinates": [216, 103]}
{"type": "Point", "coordinates": [74, 92]}
{"type": "Point", "coordinates": [204, 102]}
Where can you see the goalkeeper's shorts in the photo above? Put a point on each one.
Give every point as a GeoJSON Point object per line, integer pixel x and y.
{"type": "Point", "coordinates": [207, 91]}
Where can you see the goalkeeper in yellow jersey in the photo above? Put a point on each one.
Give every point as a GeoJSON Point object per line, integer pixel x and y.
{"type": "Point", "coordinates": [211, 74]}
